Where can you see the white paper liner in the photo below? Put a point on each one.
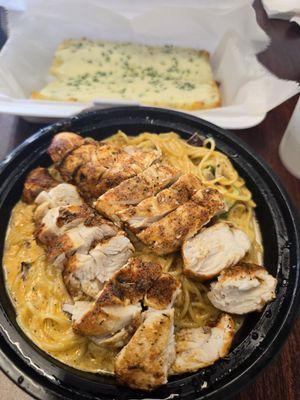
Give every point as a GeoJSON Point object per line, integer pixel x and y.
{"type": "Point", "coordinates": [283, 9]}
{"type": "Point", "coordinates": [227, 29]}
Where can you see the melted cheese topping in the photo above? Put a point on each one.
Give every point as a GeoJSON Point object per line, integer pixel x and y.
{"type": "Point", "coordinates": [168, 75]}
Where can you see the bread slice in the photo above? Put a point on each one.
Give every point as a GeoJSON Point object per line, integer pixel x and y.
{"type": "Point", "coordinates": [164, 76]}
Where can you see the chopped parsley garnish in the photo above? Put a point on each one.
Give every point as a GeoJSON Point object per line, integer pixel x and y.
{"type": "Point", "coordinates": [186, 86]}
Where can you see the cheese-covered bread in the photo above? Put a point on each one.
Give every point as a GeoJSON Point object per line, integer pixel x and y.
{"type": "Point", "coordinates": [166, 76]}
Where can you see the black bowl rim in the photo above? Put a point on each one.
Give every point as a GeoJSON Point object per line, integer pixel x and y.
{"type": "Point", "coordinates": [30, 386]}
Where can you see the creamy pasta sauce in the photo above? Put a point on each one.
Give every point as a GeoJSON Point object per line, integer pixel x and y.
{"type": "Point", "coordinates": [38, 293]}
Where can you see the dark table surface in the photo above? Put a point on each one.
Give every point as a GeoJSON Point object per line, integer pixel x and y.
{"type": "Point", "coordinates": [281, 380]}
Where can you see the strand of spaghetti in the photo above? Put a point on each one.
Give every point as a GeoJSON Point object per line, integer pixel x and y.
{"type": "Point", "coordinates": [63, 346]}
{"type": "Point", "coordinates": [209, 153]}
{"type": "Point", "coordinates": [186, 301]}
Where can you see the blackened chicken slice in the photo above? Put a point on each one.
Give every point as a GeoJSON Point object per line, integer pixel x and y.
{"type": "Point", "coordinates": [145, 361]}
{"type": "Point", "coordinates": [200, 347]}
{"type": "Point", "coordinates": [58, 220]}
{"type": "Point", "coordinates": [213, 249]}
{"type": "Point", "coordinates": [80, 239]}
{"type": "Point", "coordinates": [242, 289]}
{"type": "Point", "coordinates": [168, 234]}
{"type": "Point", "coordinates": [132, 191]}
{"type": "Point", "coordinates": [86, 164]}
{"type": "Point", "coordinates": [94, 179]}
{"type": "Point", "coordinates": [163, 293]}
{"type": "Point", "coordinates": [122, 337]}
{"type": "Point", "coordinates": [130, 162]}
{"type": "Point", "coordinates": [37, 181]}
{"type": "Point", "coordinates": [61, 195]}
{"type": "Point", "coordinates": [107, 326]}
{"type": "Point", "coordinates": [131, 282]}
{"type": "Point", "coordinates": [62, 144]}
{"type": "Point", "coordinates": [118, 304]}
{"type": "Point", "coordinates": [156, 207]}
{"type": "Point", "coordinates": [87, 273]}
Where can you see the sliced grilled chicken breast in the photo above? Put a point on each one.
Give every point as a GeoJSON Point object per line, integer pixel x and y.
{"type": "Point", "coordinates": [134, 190]}
{"type": "Point", "coordinates": [122, 337]}
{"type": "Point", "coordinates": [118, 302]}
{"type": "Point", "coordinates": [80, 239]}
{"type": "Point", "coordinates": [37, 181]}
{"type": "Point", "coordinates": [119, 323]}
{"type": "Point", "coordinates": [131, 282]}
{"type": "Point", "coordinates": [62, 144]}
{"type": "Point", "coordinates": [243, 289]}
{"type": "Point", "coordinates": [94, 179]}
{"type": "Point", "coordinates": [86, 273]}
{"type": "Point", "coordinates": [167, 235]}
{"type": "Point", "coordinates": [163, 293]}
{"type": "Point", "coordinates": [63, 194]}
{"type": "Point", "coordinates": [145, 361]}
{"type": "Point", "coordinates": [130, 162]}
{"type": "Point", "coordinates": [85, 165]}
{"type": "Point", "coordinates": [60, 219]}
{"type": "Point", "coordinates": [95, 166]}
{"type": "Point", "coordinates": [108, 319]}
{"type": "Point", "coordinates": [78, 309]}
{"type": "Point", "coordinates": [117, 341]}
{"type": "Point", "coordinates": [156, 207]}
{"type": "Point", "coordinates": [199, 347]}
{"type": "Point", "coordinates": [213, 249]}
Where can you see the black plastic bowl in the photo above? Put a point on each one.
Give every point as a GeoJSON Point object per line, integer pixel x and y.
{"type": "Point", "coordinates": [261, 337]}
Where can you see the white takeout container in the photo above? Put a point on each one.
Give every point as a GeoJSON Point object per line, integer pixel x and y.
{"type": "Point", "coordinates": [227, 29]}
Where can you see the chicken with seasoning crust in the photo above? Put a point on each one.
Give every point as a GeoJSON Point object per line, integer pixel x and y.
{"type": "Point", "coordinates": [162, 295]}
{"type": "Point", "coordinates": [87, 273]}
{"type": "Point", "coordinates": [214, 249]}
{"type": "Point", "coordinates": [89, 248]}
{"type": "Point", "coordinates": [242, 289]}
{"type": "Point", "coordinates": [86, 164]}
{"type": "Point", "coordinates": [36, 182]}
{"type": "Point", "coordinates": [145, 361]}
{"type": "Point", "coordinates": [97, 176]}
{"type": "Point", "coordinates": [118, 322]}
{"type": "Point", "coordinates": [118, 304]}
{"type": "Point", "coordinates": [130, 162]}
{"type": "Point", "coordinates": [121, 338]}
{"type": "Point", "coordinates": [200, 347]}
{"type": "Point", "coordinates": [61, 195]}
{"type": "Point", "coordinates": [111, 320]}
{"type": "Point", "coordinates": [167, 235]}
{"type": "Point", "coordinates": [80, 239]}
{"type": "Point", "coordinates": [62, 144]}
{"type": "Point", "coordinates": [96, 167]}
{"type": "Point", "coordinates": [58, 220]}
{"type": "Point", "coordinates": [134, 190]}
{"type": "Point", "coordinates": [154, 208]}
